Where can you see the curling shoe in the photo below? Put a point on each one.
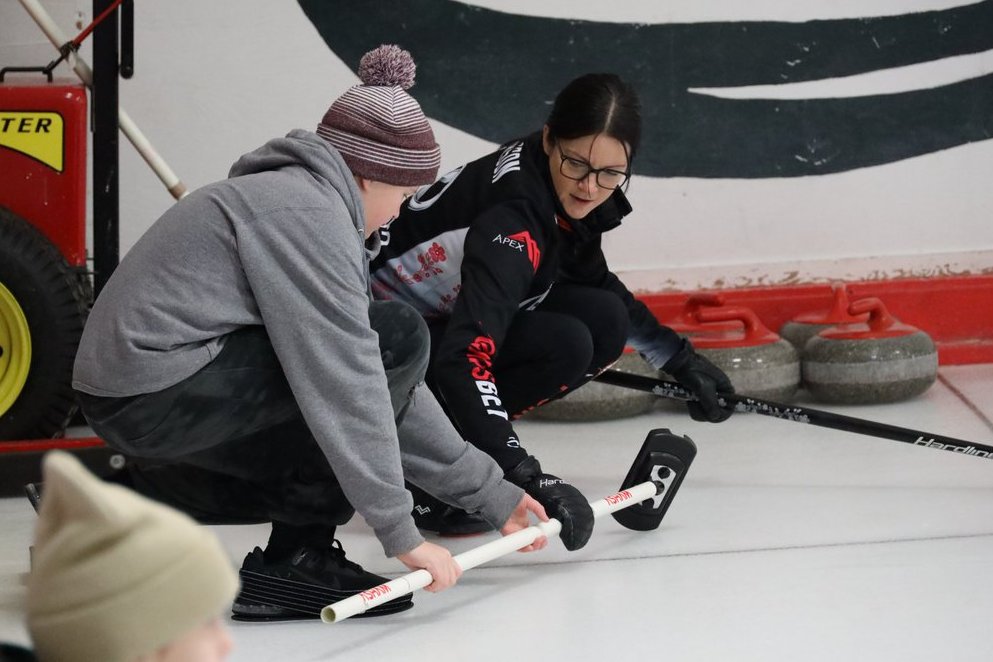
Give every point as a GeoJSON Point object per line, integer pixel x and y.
{"type": "Point", "coordinates": [300, 586]}
{"type": "Point", "coordinates": [435, 516]}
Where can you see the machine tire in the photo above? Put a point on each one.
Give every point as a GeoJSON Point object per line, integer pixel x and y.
{"type": "Point", "coordinates": [43, 306]}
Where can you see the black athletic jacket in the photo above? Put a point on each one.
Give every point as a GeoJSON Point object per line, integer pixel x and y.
{"type": "Point", "coordinates": [487, 240]}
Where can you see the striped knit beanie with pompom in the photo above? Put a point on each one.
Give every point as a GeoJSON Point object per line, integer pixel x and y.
{"type": "Point", "coordinates": [378, 128]}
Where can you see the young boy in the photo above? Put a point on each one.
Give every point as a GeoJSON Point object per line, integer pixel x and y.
{"type": "Point", "coordinates": [236, 355]}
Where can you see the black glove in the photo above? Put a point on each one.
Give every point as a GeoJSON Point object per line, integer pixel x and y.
{"type": "Point", "coordinates": [560, 499]}
{"type": "Point", "coordinates": [704, 380]}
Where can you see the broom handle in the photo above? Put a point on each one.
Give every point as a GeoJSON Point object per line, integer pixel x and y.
{"type": "Point", "coordinates": [418, 579]}
{"type": "Point", "coordinates": [797, 414]}
{"type": "Point", "coordinates": [128, 127]}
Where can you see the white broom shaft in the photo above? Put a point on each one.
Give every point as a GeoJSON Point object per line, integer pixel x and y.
{"type": "Point", "coordinates": [128, 127]}
{"type": "Point", "coordinates": [418, 579]}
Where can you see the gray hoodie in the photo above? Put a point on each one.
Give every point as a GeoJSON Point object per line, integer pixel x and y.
{"type": "Point", "coordinates": [281, 243]}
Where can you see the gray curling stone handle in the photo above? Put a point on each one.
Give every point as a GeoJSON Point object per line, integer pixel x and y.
{"type": "Point", "coordinates": [796, 414]}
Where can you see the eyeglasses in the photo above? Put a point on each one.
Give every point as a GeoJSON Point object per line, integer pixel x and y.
{"type": "Point", "coordinates": [578, 170]}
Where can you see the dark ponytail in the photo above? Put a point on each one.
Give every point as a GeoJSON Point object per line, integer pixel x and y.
{"type": "Point", "coordinates": [597, 103]}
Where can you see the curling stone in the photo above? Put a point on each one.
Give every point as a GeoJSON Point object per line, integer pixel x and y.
{"type": "Point", "coordinates": [757, 361]}
{"type": "Point", "coordinates": [807, 325]}
{"type": "Point", "coordinates": [880, 360]}
{"type": "Point", "coordinates": [595, 401]}
{"type": "Point", "coordinates": [686, 324]}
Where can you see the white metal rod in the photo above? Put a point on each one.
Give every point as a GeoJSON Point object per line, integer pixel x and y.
{"type": "Point", "coordinates": [128, 127]}
{"type": "Point", "coordinates": [366, 600]}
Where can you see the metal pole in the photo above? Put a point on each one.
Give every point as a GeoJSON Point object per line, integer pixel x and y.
{"type": "Point", "coordinates": [106, 153]}
{"type": "Point", "coordinates": [128, 127]}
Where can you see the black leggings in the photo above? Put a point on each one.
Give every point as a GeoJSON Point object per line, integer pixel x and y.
{"type": "Point", "coordinates": [571, 336]}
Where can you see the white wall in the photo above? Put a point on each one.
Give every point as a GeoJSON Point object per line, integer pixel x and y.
{"type": "Point", "coordinates": [215, 79]}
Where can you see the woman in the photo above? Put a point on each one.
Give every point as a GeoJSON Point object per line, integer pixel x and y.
{"type": "Point", "coordinates": [502, 257]}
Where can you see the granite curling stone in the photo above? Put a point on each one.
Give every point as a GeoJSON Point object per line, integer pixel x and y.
{"type": "Point", "coordinates": [595, 401]}
{"type": "Point", "coordinates": [807, 325]}
{"type": "Point", "coordinates": [686, 325]}
{"type": "Point", "coordinates": [758, 362]}
{"type": "Point", "coordinates": [877, 361]}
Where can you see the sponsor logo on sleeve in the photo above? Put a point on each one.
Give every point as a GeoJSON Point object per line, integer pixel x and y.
{"type": "Point", "coordinates": [480, 356]}
{"type": "Point", "coordinates": [523, 243]}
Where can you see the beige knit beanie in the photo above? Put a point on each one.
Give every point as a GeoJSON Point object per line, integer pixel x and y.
{"type": "Point", "coordinates": [116, 576]}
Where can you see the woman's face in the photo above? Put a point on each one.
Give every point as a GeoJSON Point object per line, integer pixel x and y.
{"type": "Point", "coordinates": [579, 157]}
{"type": "Point", "coordinates": [382, 202]}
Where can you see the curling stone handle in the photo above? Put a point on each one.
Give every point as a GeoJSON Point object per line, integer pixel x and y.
{"type": "Point", "coordinates": [879, 318]}
{"type": "Point", "coordinates": [754, 328]}
{"type": "Point", "coordinates": [840, 306]}
{"type": "Point", "coordinates": [701, 299]}
{"type": "Point", "coordinates": [694, 303]}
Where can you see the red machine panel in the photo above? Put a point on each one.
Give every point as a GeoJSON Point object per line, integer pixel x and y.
{"type": "Point", "coordinates": [43, 130]}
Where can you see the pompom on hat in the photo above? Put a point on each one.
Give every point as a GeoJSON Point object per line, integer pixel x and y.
{"type": "Point", "coordinates": [378, 128]}
{"type": "Point", "coordinates": [116, 576]}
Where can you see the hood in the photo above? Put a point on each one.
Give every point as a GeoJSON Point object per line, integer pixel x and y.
{"type": "Point", "coordinates": [305, 150]}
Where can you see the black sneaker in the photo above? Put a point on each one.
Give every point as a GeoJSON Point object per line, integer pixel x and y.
{"type": "Point", "coordinates": [299, 587]}
{"type": "Point", "coordinates": [432, 514]}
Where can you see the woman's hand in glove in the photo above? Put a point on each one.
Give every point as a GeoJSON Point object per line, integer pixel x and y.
{"type": "Point", "coordinates": [705, 380]}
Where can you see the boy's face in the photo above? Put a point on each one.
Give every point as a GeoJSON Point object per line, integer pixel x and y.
{"type": "Point", "coordinates": [210, 642]}
{"type": "Point", "coordinates": [382, 202]}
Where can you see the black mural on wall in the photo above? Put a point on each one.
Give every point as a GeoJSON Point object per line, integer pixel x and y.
{"type": "Point", "coordinates": [494, 74]}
